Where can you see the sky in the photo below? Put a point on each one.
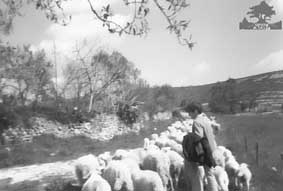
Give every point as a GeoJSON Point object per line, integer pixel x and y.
{"type": "Point", "coordinates": [222, 50]}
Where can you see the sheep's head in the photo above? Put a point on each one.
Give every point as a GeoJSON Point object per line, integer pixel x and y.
{"type": "Point", "coordinates": [166, 149]}
{"type": "Point", "coordinates": [154, 136]}
{"type": "Point", "coordinates": [240, 173]}
{"type": "Point", "coordinates": [146, 143]}
{"type": "Point", "coordinates": [120, 154]}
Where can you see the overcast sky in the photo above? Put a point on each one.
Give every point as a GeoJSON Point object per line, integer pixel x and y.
{"type": "Point", "coordinates": [222, 50]}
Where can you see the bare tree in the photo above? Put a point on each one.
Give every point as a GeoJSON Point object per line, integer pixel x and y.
{"type": "Point", "coordinates": [101, 75]}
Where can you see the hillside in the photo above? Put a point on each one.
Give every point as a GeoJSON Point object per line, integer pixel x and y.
{"type": "Point", "coordinates": [267, 88]}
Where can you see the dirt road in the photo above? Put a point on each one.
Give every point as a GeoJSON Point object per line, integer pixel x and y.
{"type": "Point", "coordinates": [34, 177]}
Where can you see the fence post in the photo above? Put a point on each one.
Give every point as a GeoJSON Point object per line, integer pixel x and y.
{"type": "Point", "coordinates": [257, 153]}
{"type": "Point", "coordinates": [246, 144]}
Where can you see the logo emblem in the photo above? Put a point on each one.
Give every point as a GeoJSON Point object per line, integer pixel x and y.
{"type": "Point", "coordinates": [262, 13]}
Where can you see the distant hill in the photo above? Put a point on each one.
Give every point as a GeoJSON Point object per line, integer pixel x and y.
{"type": "Point", "coordinates": [267, 87]}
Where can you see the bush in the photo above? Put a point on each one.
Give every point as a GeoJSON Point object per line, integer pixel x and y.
{"type": "Point", "coordinates": [127, 113]}
{"type": "Point", "coordinates": [6, 117]}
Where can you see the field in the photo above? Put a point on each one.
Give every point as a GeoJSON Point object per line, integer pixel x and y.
{"type": "Point", "coordinates": [265, 130]}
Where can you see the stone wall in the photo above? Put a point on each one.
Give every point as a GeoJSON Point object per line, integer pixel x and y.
{"type": "Point", "coordinates": [103, 127]}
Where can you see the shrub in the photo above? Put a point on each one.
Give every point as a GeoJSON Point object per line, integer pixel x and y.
{"type": "Point", "coordinates": [6, 117]}
{"type": "Point", "coordinates": [127, 113]}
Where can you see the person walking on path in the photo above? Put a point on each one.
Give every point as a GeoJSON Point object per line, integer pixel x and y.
{"type": "Point", "coordinates": [202, 128]}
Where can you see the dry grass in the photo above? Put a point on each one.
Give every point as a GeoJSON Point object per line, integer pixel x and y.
{"type": "Point", "coordinates": [267, 131]}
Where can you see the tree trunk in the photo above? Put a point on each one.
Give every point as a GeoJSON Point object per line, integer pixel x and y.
{"type": "Point", "coordinates": [22, 98]}
{"type": "Point", "coordinates": [90, 103]}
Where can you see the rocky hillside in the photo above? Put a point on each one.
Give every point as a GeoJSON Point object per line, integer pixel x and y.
{"type": "Point", "coordinates": [267, 87]}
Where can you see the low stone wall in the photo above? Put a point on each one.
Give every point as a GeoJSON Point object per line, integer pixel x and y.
{"type": "Point", "coordinates": [104, 127]}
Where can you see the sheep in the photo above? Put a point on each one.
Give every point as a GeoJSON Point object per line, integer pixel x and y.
{"type": "Point", "coordinates": [226, 153]}
{"type": "Point", "coordinates": [221, 177]}
{"type": "Point", "coordinates": [232, 167]}
{"type": "Point", "coordinates": [104, 159]}
{"type": "Point", "coordinates": [145, 142]}
{"type": "Point", "coordinates": [215, 126]}
{"type": "Point", "coordinates": [166, 142]}
{"type": "Point", "coordinates": [120, 154]}
{"type": "Point", "coordinates": [149, 144]}
{"type": "Point", "coordinates": [161, 141]}
{"type": "Point", "coordinates": [159, 162]}
{"type": "Point", "coordinates": [171, 129]}
{"type": "Point", "coordinates": [85, 166]}
{"type": "Point", "coordinates": [244, 176]}
{"type": "Point", "coordinates": [165, 134]}
{"type": "Point", "coordinates": [186, 126]}
{"type": "Point", "coordinates": [176, 165]}
{"type": "Point", "coordinates": [222, 148]}
{"type": "Point", "coordinates": [175, 147]}
{"type": "Point", "coordinates": [147, 180]}
{"type": "Point", "coordinates": [177, 136]}
{"type": "Point", "coordinates": [219, 158]}
{"type": "Point", "coordinates": [118, 176]}
{"type": "Point", "coordinates": [143, 179]}
{"type": "Point", "coordinates": [131, 164]}
{"type": "Point", "coordinates": [154, 136]}
{"type": "Point", "coordinates": [96, 183]}
{"type": "Point", "coordinates": [138, 154]}
{"type": "Point", "coordinates": [177, 124]}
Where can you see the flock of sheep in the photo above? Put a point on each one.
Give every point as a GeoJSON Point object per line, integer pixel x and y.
{"type": "Point", "coordinates": [157, 166]}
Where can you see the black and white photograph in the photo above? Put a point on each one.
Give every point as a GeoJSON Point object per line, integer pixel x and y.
{"type": "Point", "coordinates": [141, 95]}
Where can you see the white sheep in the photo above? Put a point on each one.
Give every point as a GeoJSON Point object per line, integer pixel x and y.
{"type": "Point", "coordinates": [165, 134]}
{"type": "Point", "coordinates": [221, 177]}
{"type": "Point", "coordinates": [149, 144]}
{"type": "Point", "coordinates": [138, 154]}
{"type": "Point", "coordinates": [147, 180]}
{"type": "Point", "coordinates": [215, 126]}
{"type": "Point", "coordinates": [244, 177]}
{"type": "Point", "coordinates": [176, 147]}
{"type": "Point", "coordinates": [177, 136]}
{"type": "Point", "coordinates": [171, 129]}
{"type": "Point", "coordinates": [118, 176]}
{"type": "Point", "coordinates": [227, 154]}
{"type": "Point", "coordinates": [85, 166]}
{"type": "Point", "coordinates": [222, 148]}
{"type": "Point", "coordinates": [154, 136]}
{"type": "Point", "coordinates": [131, 164]}
{"type": "Point", "coordinates": [104, 159]}
{"type": "Point", "coordinates": [145, 142]}
{"type": "Point", "coordinates": [161, 141]}
{"type": "Point", "coordinates": [219, 158]}
{"type": "Point", "coordinates": [176, 165]}
{"type": "Point", "coordinates": [159, 162]}
{"type": "Point", "coordinates": [143, 179]}
{"type": "Point", "coordinates": [120, 154]}
{"type": "Point", "coordinates": [232, 167]}
{"type": "Point", "coordinates": [96, 183]}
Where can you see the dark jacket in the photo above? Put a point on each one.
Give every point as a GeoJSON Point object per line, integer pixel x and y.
{"type": "Point", "coordinates": [197, 146]}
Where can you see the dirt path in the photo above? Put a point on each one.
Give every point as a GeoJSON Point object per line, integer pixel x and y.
{"type": "Point", "coordinates": [34, 177]}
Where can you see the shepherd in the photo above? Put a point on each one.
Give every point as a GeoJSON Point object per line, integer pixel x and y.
{"type": "Point", "coordinates": [201, 128]}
